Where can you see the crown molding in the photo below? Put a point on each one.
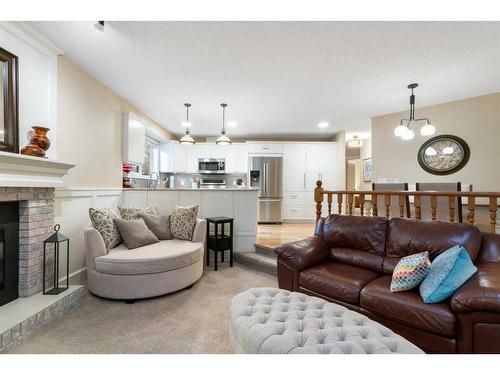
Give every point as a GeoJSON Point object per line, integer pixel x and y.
{"type": "Point", "coordinates": [28, 34]}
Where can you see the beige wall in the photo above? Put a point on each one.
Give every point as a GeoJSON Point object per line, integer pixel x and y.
{"type": "Point", "coordinates": [476, 120]}
{"type": "Point", "coordinates": [89, 119]}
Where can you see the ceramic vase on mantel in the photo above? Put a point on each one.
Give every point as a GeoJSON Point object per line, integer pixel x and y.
{"type": "Point", "coordinates": [39, 143]}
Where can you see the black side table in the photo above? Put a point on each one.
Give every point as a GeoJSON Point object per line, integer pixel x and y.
{"type": "Point", "coordinates": [219, 241]}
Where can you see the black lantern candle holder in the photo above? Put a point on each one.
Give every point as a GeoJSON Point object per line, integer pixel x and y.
{"type": "Point", "coordinates": [56, 240]}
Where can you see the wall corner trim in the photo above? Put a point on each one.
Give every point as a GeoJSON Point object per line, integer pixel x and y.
{"type": "Point", "coordinates": [28, 34]}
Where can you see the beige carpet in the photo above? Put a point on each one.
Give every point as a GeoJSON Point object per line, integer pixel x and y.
{"type": "Point", "coordinates": [189, 321]}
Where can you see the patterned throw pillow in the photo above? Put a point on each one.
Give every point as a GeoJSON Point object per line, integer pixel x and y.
{"type": "Point", "coordinates": [410, 271]}
{"type": "Point", "coordinates": [449, 271]}
{"type": "Point", "coordinates": [182, 222]}
{"type": "Point", "coordinates": [102, 220]}
{"type": "Point", "coordinates": [132, 213]}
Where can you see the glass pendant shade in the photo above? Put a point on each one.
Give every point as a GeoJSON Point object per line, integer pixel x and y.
{"type": "Point", "coordinates": [187, 140]}
{"type": "Point", "coordinates": [408, 134]}
{"type": "Point", "coordinates": [223, 139]}
{"type": "Point", "coordinates": [399, 131]}
{"type": "Point", "coordinates": [427, 129]}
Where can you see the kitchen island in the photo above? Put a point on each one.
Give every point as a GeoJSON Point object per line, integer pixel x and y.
{"type": "Point", "coordinates": [238, 203]}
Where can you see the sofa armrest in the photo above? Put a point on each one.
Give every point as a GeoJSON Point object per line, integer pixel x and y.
{"type": "Point", "coordinates": [300, 255]}
{"type": "Point", "coordinates": [200, 231]}
{"type": "Point", "coordinates": [481, 292]}
{"type": "Point", "coordinates": [94, 243]}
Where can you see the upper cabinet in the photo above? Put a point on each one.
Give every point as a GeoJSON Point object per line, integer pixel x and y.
{"type": "Point", "coordinates": [134, 139]}
{"type": "Point", "coordinates": [265, 148]}
{"type": "Point", "coordinates": [237, 158]}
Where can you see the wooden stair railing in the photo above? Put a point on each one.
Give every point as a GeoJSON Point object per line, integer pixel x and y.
{"type": "Point", "coordinates": [492, 197]}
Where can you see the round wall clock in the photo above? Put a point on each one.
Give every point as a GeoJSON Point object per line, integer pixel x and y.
{"type": "Point", "coordinates": [443, 154]}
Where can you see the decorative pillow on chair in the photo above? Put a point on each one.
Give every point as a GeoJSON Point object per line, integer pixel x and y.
{"type": "Point", "coordinates": [102, 220]}
{"type": "Point", "coordinates": [159, 225]}
{"type": "Point", "coordinates": [410, 271]}
{"type": "Point", "coordinates": [135, 233]}
{"type": "Point", "coordinates": [132, 213]}
{"type": "Point", "coordinates": [448, 273]}
{"type": "Point", "coordinates": [182, 222]}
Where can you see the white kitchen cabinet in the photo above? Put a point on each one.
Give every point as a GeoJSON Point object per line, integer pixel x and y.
{"type": "Point", "coordinates": [237, 158]}
{"type": "Point", "coordinates": [204, 150]}
{"type": "Point", "coordinates": [219, 151]}
{"type": "Point", "coordinates": [134, 139]}
{"type": "Point", "coordinates": [294, 181]}
{"type": "Point", "coordinates": [191, 158]}
{"type": "Point", "coordinates": [173, 157]}
{"type": "Point", "coordinates": [294, 156]}
{"type": "Point", "coordinates": [303, 165]}
{"type": "Point", "coordinates": [265, 148]}
{"type": "Point", "coordinates": [211, 151]}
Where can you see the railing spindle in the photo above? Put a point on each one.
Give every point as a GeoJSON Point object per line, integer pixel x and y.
{"type": "Point", "coordinates": [493, 214]}
{"type": "Point", "coordinates": [471, 205]}
{"type": "Point", "coordinates": [329, 199]}
{"type": "Point", "coordinates": [362, 204]}
{"type": "Point", "coordinates": [387, 203]}
{"type": "Point", "coordinates": [350, 198]}
{"type": "Point", "coordinates": [451, 206]}
{"type": "Point", "coordinates": [401, 198]}
{"type": "Point", "coordinates": [318, 197]}
{"type": "Point", "coordinates": [339, 202]}
{"type": "Point", "coordinates": [416, 203]}
{"type": "Point", "coordinates": [434, 204]}
{"type": "Point", "coordinates": [374, 204]}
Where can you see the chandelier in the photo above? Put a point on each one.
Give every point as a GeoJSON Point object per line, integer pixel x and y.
{"type": "Point", "coordinates": [404, 130]}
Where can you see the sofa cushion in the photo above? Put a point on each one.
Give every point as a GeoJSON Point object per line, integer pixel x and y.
{"type": "Point", "coordinates": [356, 232]}
{"type": "Point", "coordinates": [409, 236]}
{"type": "Point", "coordinates": [338, 281]}
{"type": "Point", "coordinates": [183, 221]}
{"type": "Point", "coordinates": [407, 308]}
{"type": "Point", "coordinates": [158, 224]}
{"type": "Point", "coordinates": [132, 213]}
{"type": "Point", "coordinates": [102, 221]}
{"type": "Point", "coordinates": [410, 272]}
{"type": "Point", "coordinates": [135, 233]}
{"type": "Point", "coordinates": [449, 271]}
{"type": "Point", "coordinates": [158, 257]}
{"type": "Point", "coordinates": [359, 258]}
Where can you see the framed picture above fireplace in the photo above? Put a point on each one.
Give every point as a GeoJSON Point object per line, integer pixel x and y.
{"type": "Point", "coordinates": [9, 126]}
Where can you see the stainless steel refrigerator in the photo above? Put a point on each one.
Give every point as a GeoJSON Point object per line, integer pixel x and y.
{"type": "Point", "coordinates": [266, 174]}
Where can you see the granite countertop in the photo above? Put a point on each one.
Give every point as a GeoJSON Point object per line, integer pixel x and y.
{"type": "Point", "coordinates": [190, 189]}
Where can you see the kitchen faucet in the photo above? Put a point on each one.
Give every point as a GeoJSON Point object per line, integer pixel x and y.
{"type": "Point", "coordinates": [152, 185]}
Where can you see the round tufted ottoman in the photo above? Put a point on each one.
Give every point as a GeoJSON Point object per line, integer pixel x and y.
{"type": "Point", "coordinates": [270, 320]}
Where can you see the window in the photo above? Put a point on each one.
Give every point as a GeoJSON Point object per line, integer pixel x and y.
{"type": "Point", "coordinates": [151, 157]}
{"type": "Point", "coordinates": [151, 160]}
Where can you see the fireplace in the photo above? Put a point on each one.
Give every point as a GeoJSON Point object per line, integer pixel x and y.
{"type": "Point", "coordinates": [9, 251]}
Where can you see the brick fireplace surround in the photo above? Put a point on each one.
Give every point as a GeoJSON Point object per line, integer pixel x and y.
{"type": "Point", "coordinates": [36, 223]}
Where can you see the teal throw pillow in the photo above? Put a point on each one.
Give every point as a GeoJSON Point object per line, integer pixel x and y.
{"type": "Point", "coordinates": [449, 271]}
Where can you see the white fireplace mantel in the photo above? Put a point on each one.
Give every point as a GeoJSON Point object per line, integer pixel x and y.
{"type": "Point", "coordinates": [30, 171]}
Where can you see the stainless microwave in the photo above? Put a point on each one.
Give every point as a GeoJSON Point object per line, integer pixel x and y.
{"type": "Point", "coordinates": [211, 166]}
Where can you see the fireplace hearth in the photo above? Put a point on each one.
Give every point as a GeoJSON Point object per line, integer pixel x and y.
{"type": "Point", "coordinates": [9, 251]}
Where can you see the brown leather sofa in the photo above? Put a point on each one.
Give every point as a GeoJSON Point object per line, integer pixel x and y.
{"type": "Point", "coordinates": [350, 260]}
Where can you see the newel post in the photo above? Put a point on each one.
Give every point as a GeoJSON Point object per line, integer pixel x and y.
{"type": "Point", "coordinates": [318, 198]}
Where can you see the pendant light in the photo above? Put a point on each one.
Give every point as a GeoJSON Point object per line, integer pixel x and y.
{"type": "Point", "coordinates": [187, 139]}
{"type": "Point", "coordinates": [223, 139]}
{"type": "Point", "coordinates": [403, 130]}
{"type": "Point", "coordinates": [355, 142]}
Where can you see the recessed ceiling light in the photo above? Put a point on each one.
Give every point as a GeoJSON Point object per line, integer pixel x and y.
{"type": "Point", "coordinates": [232, 124]}
{"type": "Point", "coordinates": [323, 125]}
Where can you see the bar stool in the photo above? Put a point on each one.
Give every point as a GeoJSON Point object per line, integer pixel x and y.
{"type": "Point", "coordinates": [219, 241]}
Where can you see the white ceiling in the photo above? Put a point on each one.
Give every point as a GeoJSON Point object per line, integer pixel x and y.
{"type": "Point", "coordinates": [282, 78]}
